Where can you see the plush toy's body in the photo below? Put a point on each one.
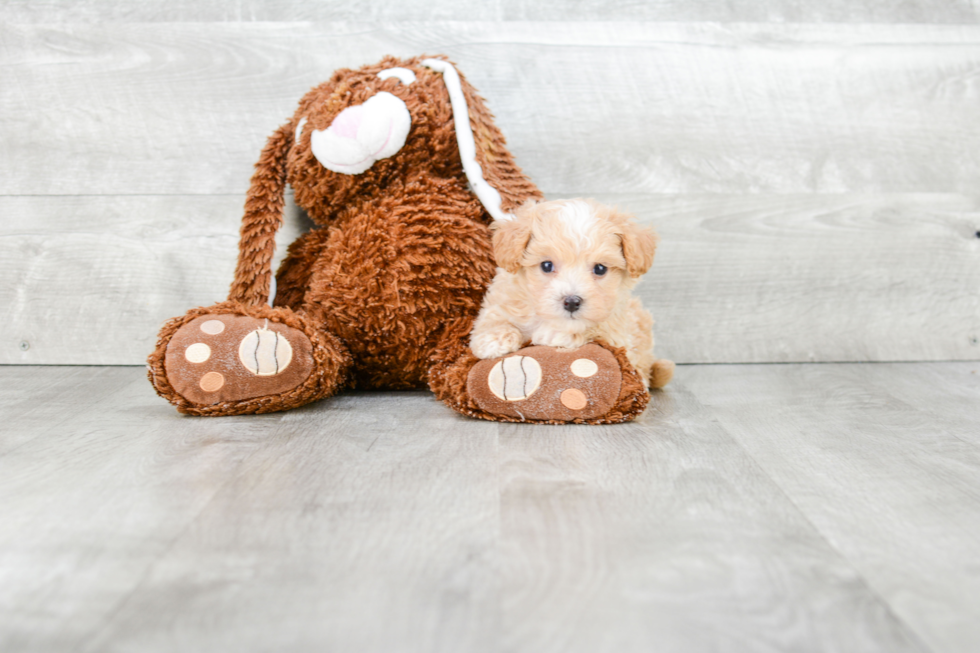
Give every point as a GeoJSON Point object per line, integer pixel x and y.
{"type": "Point", "coordinates": [384, 292]}
{"type": "Point", "coordinates": [392, 278]}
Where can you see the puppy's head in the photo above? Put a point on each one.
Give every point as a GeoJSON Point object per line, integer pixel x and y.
{"type": "Point", "coordinates": [575, 258]}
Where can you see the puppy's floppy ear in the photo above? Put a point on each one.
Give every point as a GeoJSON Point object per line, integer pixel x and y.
{"type": "Point", "coordinates": [510, 239]}
{"type": "Point", "coordinates": [639, 246]}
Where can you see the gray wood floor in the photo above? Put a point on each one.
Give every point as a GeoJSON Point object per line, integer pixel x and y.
{"type": "Point", "coordinates": [752, 508]}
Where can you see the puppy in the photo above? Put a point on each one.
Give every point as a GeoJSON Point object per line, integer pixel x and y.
{"type": "Point", "coordinates": [565, 275]}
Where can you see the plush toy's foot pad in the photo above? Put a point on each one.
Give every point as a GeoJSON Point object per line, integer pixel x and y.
{"type": "Point", "coordinates": [545, 383]}
{"type": "Point", "coordinates": [217, 358]}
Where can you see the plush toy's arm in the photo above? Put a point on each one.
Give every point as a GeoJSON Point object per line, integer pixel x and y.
{"type": "Point", "coordinates": [262, 219]}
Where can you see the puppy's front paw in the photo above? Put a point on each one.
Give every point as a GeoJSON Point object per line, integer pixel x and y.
{"type": "Point", "coordinates": [495, 342]}
{"type": "Point", "coordinates": [555, 338]}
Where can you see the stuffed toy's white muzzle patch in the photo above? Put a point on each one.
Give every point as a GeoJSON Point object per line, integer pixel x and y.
{"type": "Point", "coordinates": [362, 134]}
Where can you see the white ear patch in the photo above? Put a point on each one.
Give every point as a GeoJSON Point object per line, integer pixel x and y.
{"type": "Point", "coordinates": [405, 75]}
{"type": "Point", "coordinates": [363, 134]}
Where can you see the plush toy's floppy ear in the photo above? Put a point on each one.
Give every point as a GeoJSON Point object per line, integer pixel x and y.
{"type": "Point", "coordinates": [499, 168]}
{"type": "Point", "coordinates": [263, 217]}
{"type": "Point", "coordinates": [639, 246]}
{"type": "Point", "coordinates": [486, 144]}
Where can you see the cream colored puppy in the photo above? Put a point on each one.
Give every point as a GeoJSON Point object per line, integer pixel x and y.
{"type": "Point", "coordinates": [566, 271]}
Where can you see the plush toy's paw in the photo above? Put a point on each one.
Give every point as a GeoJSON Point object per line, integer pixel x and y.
{"type": "Point", "coordinates": [544, 383]}
{"type": "Point", "coordinates": [221, 358]}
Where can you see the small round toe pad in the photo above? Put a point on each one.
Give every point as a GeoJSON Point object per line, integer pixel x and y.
{"type": "Point", "coordinates": [212, 327]}
{"type": "Point", "coordinates": [212, 382]}
{"type": "Point", "coordinates": [584, 367]}
{"type": "Point", "coordinates": [574, 399]}
{"type": "Point", "coordinates": [197, 353]}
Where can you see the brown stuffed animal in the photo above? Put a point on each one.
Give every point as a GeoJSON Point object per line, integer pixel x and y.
{"type": "Point", "coordinates": [402, 168]}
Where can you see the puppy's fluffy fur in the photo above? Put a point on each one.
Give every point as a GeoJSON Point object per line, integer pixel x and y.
{"type": "Point", "coordinates": [555, 253]}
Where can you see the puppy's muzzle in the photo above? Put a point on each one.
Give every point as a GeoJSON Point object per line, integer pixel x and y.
{"type": "Point", "coordinates": [572, 303]}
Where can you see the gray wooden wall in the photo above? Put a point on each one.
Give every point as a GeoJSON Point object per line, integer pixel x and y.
{"type": "Point", "coordinates": [813, 166]}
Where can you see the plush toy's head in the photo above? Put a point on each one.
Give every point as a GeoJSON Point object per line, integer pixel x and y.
{"type": "Point", "coordinates": [372, 131]}
{"type": "Point", "coordinates": [365, 130]}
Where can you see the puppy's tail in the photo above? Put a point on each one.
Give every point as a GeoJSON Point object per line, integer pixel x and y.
{"type": "Point", "coordinates": [661, 373]}
{"type": "Point", "coordinates": [263, 217]}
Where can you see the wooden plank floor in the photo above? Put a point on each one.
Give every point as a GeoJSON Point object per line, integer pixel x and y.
{"type": "Point", "coordinates": [752, 508]}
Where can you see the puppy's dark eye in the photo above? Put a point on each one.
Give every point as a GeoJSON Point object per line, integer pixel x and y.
{"type": "Point", "coordinates": [599, 269]}
{"type": "Point", "coordinates": [547, 266]}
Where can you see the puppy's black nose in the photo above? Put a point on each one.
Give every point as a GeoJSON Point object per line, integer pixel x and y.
{"type": "Point", "coordinates": [572, 303]}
